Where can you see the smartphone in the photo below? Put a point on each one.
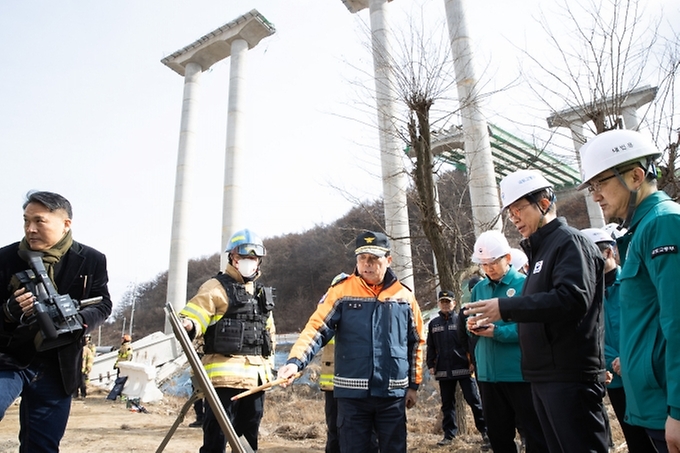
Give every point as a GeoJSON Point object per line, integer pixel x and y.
{"type": "Point", "coordinates": [478, 328]}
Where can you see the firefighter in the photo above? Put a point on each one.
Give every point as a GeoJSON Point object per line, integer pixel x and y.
{"type": "Point", "coordinates": [233, 315]}
{"type": "Point", "coordinates": [88, 361]}
{"type": "Point", "coordinates": [125, 351]}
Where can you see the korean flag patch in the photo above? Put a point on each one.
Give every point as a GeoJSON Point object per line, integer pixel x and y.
{"type": "Point", "coordinates": [537, 267]}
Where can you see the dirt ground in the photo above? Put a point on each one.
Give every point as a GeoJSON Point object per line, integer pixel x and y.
{"type": "Point", "coordinates": [293, 423]}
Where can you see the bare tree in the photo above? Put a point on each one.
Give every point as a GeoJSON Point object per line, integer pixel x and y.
{"type": "Point", "coordinates": [423, 74]}
{"type": "Point", "coordinates": [601, 56]}
{"type": "Point", "coordinates": [665, 121]}
{"type": "Point", "coordinates": [608, 52]}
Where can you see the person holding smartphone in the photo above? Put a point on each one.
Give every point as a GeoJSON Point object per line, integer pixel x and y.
{"type": "Point", "coordinates": [506, 396]}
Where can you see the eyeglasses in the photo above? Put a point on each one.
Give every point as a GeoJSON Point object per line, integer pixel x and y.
{"type": "Point", "coordinates": [516, 211]}
{"type": "Point", "coordinates": [596, 186]}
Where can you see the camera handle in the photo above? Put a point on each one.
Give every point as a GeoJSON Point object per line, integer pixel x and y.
{"type": "Point", "coordinates": [42, 290]}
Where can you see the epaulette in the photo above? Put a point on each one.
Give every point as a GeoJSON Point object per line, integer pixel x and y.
{"type": "Point", "coordinates": [339, 278]}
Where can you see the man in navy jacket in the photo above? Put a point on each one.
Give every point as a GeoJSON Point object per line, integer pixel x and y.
{"type": "Point", "coordinates": [449, 362]}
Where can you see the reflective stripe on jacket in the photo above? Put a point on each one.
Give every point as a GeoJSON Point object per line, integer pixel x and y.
{"type": "Point", "coordinates": [327, 366]}
{"type": "Point", "coordinates": [235, 371]}
{"type": "Point", "coordinates": [445, 352]}
{"type": "Point", "coordinates": [379, 338]}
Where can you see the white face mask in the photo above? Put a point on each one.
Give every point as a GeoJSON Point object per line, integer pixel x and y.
{"type": "Point", "coordinates": [247, 267]}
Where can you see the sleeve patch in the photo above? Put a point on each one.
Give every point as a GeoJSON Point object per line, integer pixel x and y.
{"type": "Point", "coordinates": [664, 249]}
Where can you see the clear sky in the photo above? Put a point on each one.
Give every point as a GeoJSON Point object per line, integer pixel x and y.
{"type": "Point", "coordinates": [88, 110]}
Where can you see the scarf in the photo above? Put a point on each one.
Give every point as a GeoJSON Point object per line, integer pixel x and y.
{"type": "Point", "coordinates": [50, 257]}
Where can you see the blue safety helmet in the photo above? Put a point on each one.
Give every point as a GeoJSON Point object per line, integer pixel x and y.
{"type": "Point", "coordinates": [246, 243]}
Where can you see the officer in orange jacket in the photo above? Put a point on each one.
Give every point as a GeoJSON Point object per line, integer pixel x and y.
{"type": "Point", "coordinates": [378, 330]}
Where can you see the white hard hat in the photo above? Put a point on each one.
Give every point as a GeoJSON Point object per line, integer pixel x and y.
{"type": "Point", "coordinates": [597, 235]}
{"type": "Point", "coordinates": [489, 246]}
{"type": "Point", "coordinates": [518, 258]}
{"type": "Point", "coordinates": [520, 184]}
{"type": "Point", "coordinates": [613, 230]}
{"type": "Point", "coordinates": [611, 149]}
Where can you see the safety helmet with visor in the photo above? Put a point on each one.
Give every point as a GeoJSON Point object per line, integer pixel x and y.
{"type": "Point", "coordinates": [612, 149]}
{"type": "Point", "coordinates": [490, 246]}
{"type": "Point", "coordinates": [246, 243]}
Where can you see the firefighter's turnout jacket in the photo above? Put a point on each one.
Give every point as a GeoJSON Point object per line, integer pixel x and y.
{"type": "Point", "coordinates": [235, 321]}
{"type": "Point", "coordinates": [327, 366]}
{"type": "Point", "coordinates": [378, 337]}
{"type": "Point", "coordinates": [124, 353]}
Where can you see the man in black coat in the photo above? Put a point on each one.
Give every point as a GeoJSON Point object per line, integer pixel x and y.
{"type": "Point", "coordinates": [559, 317]}
{"type": "Point", "coordinates": [44, 371]}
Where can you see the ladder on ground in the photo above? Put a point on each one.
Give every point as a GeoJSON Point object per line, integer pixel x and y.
{"type": "Point", "coordinates": [204, 390]}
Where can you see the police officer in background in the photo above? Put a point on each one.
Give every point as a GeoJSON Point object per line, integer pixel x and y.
{"type": "Point", "coordinates": [233, 314]}
{"type": "Point", "coordinates": [449, 363]}
{"type": "Point", "coordinates": [619, 171]}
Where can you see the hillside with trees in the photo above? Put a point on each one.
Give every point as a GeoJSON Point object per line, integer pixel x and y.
{"type": "Point", "coordinates": [301, 265]}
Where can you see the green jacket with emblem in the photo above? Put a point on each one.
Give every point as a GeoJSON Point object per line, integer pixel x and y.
{"type": "Point", "coordinates": [499, 358]}
{"type": "Point", "coordinates": [650, 312]}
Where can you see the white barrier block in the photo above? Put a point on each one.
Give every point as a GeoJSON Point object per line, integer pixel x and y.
{"type": "Point", "coordinates": [141, 382]}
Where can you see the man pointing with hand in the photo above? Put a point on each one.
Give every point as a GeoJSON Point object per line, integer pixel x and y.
{"type": "Point", "coordinates": [378, 331]}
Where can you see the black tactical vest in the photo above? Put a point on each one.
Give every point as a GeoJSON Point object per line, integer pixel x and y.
{"type": "Point", "coordinates": [241, 330]}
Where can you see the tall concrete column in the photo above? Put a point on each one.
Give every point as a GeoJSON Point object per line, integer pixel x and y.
{"type": "Point", "coordinates": [630, 118]}
{"type": "Point", "coordinates": [245, 32]}
{"type": "Point", "coordinates": [395, 179]}
{"type": "Point", "coordinates": [595, 215]}
{"type": "Point", "coordinates": [178, 270]}
{"type": "Point", "coordinates": [478, 158]}
{"type": "Point", "coordinates": [233, 209]}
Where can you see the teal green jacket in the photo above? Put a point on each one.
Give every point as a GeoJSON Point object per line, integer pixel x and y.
{"type": "Point", "coordinates": [650, 312]}
{"type": "Point", "coordinates": [612, 328]}
{"type": "Point", "coordinates": [499, 358]}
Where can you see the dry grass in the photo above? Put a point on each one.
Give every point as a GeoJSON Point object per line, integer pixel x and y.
{"type": "Point", "coordinates": [294, 422]}
{"type": "Point", "coordinates": [297, 414]}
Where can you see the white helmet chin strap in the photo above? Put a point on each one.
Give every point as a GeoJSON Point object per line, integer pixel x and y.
{"type": "Point", "coordinates": [544, 212]}
{"type": "Point", "coordinates": [632, 199]}
{"type": "Point", "coordinates": [650, 173]}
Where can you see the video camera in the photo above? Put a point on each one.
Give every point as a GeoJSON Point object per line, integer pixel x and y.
{"type": "Point", "coordinates": [56, 314]}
